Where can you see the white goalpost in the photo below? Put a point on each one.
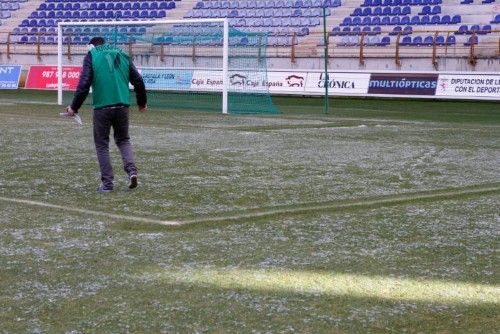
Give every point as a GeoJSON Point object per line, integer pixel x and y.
{"type": "Point", "coordinates": [155, 41]}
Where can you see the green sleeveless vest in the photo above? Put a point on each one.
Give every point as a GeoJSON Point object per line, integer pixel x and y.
{"type": "Point", "coordinates": [111, 76]}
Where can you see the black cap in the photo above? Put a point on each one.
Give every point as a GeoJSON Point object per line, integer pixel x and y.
{"type": "Point", "coordinates": [96, 41]}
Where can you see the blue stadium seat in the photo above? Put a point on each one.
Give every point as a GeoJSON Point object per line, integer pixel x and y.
{"type": "Point", "coordinates": [346, 22]}
{"type": "Point", "coordinates": [473, 29]}
{"type": "Point", "coordinates": [386, 20]}
{"type": "Point", "coordinates": [436, 19]}
{"type": "Point", "coordinates": [428, 41]}
{"type": "Point", "coordinates": [405, 41]}
{"type": "Point", "coordinates": [335, 31]}
{"type": "Point", "coordinates": [417, 41]}
{"type": "Point", "coordinates": [472, 40]}
{"type": "Point", "coordinates": [462, 30]}
{"type": "Point", "coordinates": [436, 10]}
{"type": "Point", "coordinates": [386, 40]}
{"type": "Point", "coordinates": [440, 40]}
{"type": "Point", "coordinates": [486, 29]}
{"type": "Point", "coordinates": [426, 10]}
{"type": "Point", "coordinates": [456, 19]}
{"type": "Point", "coordinates": [396, 30]}
{"type": "Point", "coordinates": [425, 20]}
{"type": "Point", "coordinates": [357, 12]}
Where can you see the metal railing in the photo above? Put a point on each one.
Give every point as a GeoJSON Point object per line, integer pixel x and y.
{"type": "Point", "coordinates": [480, 46]}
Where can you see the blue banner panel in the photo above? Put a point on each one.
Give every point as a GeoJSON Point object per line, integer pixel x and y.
{"type": "Point", "coordinates": [167, 79]}
{"type": "Point", "coordinates": [9, 76]}
{"type": "Point", "coordinates": [403, 84]}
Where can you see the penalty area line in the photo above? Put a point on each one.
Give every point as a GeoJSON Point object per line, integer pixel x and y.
{"type": "Point", "coordinates": [91, 212]}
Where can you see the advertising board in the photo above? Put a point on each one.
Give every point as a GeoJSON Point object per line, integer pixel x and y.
{"type": "Point", "coordinates": [9, 76]}
{"type": "Point", "coordinates": [403, 84]}
{"type": "Point", "coordinates": [457, 85]}
{"type": "Point", "coordinates": [45, 77]}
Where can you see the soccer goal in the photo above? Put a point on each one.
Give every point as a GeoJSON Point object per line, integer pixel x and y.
{"type": "Point", "coordinates": [198, 64]}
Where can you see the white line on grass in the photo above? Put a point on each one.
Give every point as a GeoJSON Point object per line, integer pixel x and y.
{"type": "Point", "coordinates": [298, 208]}
{"type": "Point", "coordinates": [398, 199]}
{"type": "Point", "coordinates": [91, 212]}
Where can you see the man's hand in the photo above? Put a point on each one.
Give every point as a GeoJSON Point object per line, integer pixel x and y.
{"type": "Point", "coordinates": [143, 108]}
{"type": "Point", "coordinates": [70, 111]}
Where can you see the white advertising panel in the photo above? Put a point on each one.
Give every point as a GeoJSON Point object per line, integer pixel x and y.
{"type": "Point", "coordinates": [207, 81]}
{"type": "Point", "coordinates": [286, 82]}
{"type": "Point", "coordinates": [458, 85]}
{"type": "Point", "coordinates": [275, 82]}
{"type": "Point", "coordinates": [338, 83]}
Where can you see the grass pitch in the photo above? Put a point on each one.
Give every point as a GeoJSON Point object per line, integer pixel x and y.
{"type": "Point", "coordinates": [381, 216]}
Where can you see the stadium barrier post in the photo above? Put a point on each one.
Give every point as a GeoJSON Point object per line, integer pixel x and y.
{"type": "Point", "coordinates": [162, 52]}
{"type": "Point", "coordinates": [130, 49]}
{"type": "Point", "coordinates": [38, 47]}
{"type": "Point", "coordinates": [472, 56]}
{"type": "Point", "coordinates": [259, 57]}
{"type": "Point", "coordinates": [434, 50]}
{"type": "Point", "coordinates": [8, 46]}
{"type": "Point", "coordinates": [193, 51]}
{"type": "Point", "coordinates": [361, 50]}
{"type": "Point", "coordinates": [446, 44]}
{"type": "Point", "coordinates": [397, 56]}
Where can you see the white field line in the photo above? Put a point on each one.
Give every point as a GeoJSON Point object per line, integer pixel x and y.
{"type": "Point", "coordinates": [299, 208]}
{"type": "Point", "coordinates": [90, 212]}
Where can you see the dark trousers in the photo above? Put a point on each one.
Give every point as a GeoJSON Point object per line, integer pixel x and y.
{"type": "Point", "coordinates": [118, 119]}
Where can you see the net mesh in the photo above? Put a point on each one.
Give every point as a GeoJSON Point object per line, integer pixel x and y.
{"type": "Point", "coordinates": [182, 63]}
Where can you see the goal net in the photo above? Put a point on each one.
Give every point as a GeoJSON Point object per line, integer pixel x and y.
{"type": "Point", "coordinates": [186, 64]}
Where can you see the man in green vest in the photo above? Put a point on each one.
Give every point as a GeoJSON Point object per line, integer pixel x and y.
{"type": "Point", "coordinates": [108, 70]}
